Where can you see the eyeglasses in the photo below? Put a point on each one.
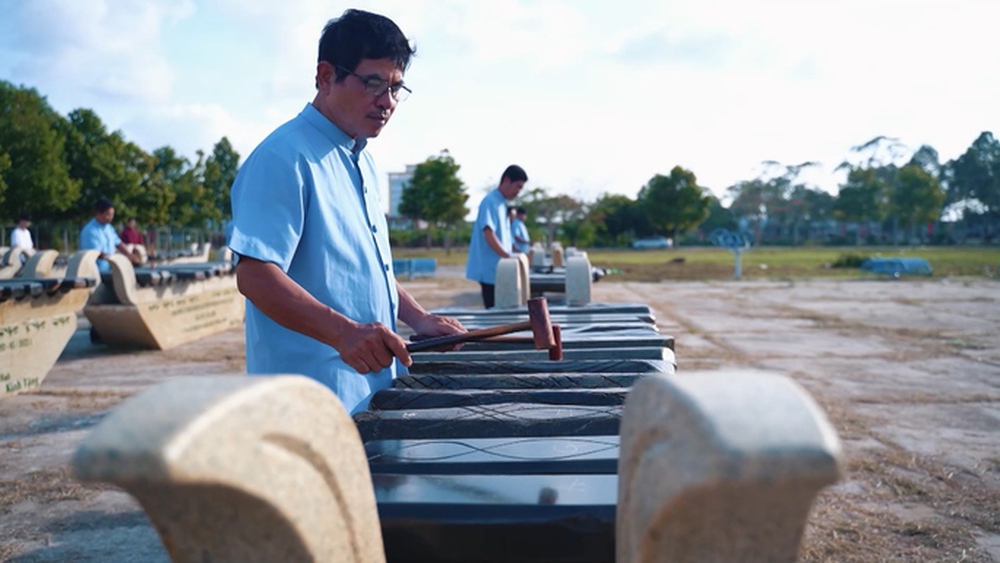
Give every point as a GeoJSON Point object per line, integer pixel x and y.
{"type": "Point", "coordinates": [375, 86]}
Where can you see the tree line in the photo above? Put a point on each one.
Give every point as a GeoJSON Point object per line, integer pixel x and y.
{"type": "Point", "coordinates": [886, 198]}
{"type": "Point", "coordinates": [54, 168]}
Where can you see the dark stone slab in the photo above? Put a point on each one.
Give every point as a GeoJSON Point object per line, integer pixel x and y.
{"type": "Point", "coordinates": [577, 319]}
{"type": "Point", "coordinates": [19, 289]}
{"type": "Point", "coordinates": [400, 399]}
{"type": "Point", "coordinates": [576, 342]}
{"type": "Point", "coordinates": [495, 456]}
{"type": "Point", "coordinates": [554, 309]}
{"type": "Point", "coordinates": [506, 518]}
{"type": "Point", "coordinates": [526, 355]}
{"type": "Point", "coordinates": [516, 381]}
{"type": "Point", "coordinates": [490, 421]}
{"type": "Point", "coordinates": [450, 366]}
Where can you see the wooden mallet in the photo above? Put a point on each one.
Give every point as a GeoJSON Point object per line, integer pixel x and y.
{"type": "Point", "coordinates": [544, 334]}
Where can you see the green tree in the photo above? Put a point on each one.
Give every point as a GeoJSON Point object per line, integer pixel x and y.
{"type": "Point", "coordinates": [975, 175]}
{"type": "Point", "coordinates": [99, 161]}
{"type": "Point", "coordinates": [719, 217]}
{"type": "Point", "coordinates": [220, 173]}
{"type": "Point", "coordinates": [616, 219]}
{"type": "Point", "coordinates": [552, 212]}
{"type": "Point", "coordinates": [864, 198]}
{"type": "Point", "coordinates": [32, 143]}
{"type": "Point", "coordinates": [676, 203]}
{"type": "Point", "coordinates": [917, 197]}
{"type": "Point", "coordinates": [436, 195]}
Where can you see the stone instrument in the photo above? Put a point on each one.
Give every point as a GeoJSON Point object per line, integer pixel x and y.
{"type": "Point", "coordinates": [545, 335]}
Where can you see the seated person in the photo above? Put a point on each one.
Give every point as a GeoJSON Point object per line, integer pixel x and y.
{"type": "Point", "coordinates": [98, 234]}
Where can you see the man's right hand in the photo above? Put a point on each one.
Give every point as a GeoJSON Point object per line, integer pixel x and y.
{"type": "Point", "coordinates": [371, 347]}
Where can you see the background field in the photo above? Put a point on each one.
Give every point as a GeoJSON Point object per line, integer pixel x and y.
{"type": "Point", "coordinates": [709, 263]}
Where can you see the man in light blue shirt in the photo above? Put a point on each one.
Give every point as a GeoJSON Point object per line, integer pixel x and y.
{"type": "Point", "coordinates": [98, 234]}
{"type": "Point", "coordinates": [491, 234]}
{"type": "Point", "coordinates": [522, 239]}
{"type": "Point", "coordinates": [308, 229]}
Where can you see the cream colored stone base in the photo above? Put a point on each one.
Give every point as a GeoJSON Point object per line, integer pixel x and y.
{"type": "Point", "coordinates": [170, 321]}
{"type": "Point", "coordinates": [33, 334]}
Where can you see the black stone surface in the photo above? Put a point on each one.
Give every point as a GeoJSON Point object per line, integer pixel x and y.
{"type": "Point", "coordinates": [516, 381]}
{"type": "Point", "coordinates": [504, 367]}
{"type": "Point", "coordinates": [580, 342]}
{"type": "Point", "coordinates": [490, 421]}
{"type": "Point", "coordinates": [505, 518]}
{"type": "Point", "coordinates": [495, 456]}
{"type": "Point", "coordinates": [401, 399]}
{"type": "Point", "coordinates": [661, 353]}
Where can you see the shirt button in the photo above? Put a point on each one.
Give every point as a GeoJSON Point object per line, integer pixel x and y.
{"type": "Point", "coordinates": [374, 229]}
{"type": "Point", "coordinates": [386, 266]}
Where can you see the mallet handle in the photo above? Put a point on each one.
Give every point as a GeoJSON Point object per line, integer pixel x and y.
{"type": "Point", "coordinates": [471, 336]}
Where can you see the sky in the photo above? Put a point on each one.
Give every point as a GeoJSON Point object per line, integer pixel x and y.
{"type": "Point", "coordinates": [589, 96]}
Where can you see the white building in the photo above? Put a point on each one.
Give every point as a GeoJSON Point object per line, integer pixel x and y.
{"type": "Point", "coordinates": [398, 181]}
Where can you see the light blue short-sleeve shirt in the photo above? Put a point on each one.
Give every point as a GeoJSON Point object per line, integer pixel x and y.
{"type": "Point", "coordinates": [308, 200]}
{"type": "Point", "coordinates": [100, 237]}
{"type": "Point", "coordinates": [481, 265]}
{"type": "Point", "coordinates": [520, 230]}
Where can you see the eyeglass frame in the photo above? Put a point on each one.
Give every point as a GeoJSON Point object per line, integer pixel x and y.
{"type": "Point", "coordinates": [384, 86]}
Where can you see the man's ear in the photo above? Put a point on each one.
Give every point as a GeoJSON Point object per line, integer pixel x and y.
{"type": "Point", "coordinates": [325, 75]}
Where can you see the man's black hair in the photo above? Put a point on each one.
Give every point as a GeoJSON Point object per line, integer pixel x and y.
{"type": "Point", "coordinates": [358, 35]}
{"type": "Point", "coordinates": [514, 173]}
{"type": "Point", "coordinates": [522, 211]}
{"type": "Point", "coordinates": [23, 217]}
{"type": "Point", "coordinates": [102, 205]}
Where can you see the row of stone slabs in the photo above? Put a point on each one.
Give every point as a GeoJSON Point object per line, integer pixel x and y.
{"type": "Point", "coordinates": [490, 456]}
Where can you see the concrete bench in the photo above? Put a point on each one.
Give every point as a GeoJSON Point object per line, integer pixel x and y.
{"type": "Point", "coordinates": [37, 319]}
{"type": "Point", "coordinates": [710, 467]}
{"type": "Point", "coordinates": [166, 306]}
{"type": "Point", "coordinates": [410, 268]}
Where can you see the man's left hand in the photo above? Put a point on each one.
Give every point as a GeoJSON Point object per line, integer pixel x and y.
{"type": "Point", "coordinates": [436, 325]}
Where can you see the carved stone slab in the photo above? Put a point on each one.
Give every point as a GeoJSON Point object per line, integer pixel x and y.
{"type": "Point", "coordinates": [495, 456]}
{"type": "Point", "coordinates": [720, 466]}
{"type": "Point", "coordinates": [165, 315]}
{"type": "Point", "coordinates": [515, 381]}
{"type": "Point", "coordinates": [408, 399]}
{"type": "Point", "coordinates": [499, 366]}
{"type": "Point", "coordinates": [241, 469]}
{"type": "Point", "coordinates": [648, 353]}
{"type": "Point", "coordinates": [35, 329]}
{"type": "Point", "coordinates": [490, 421]}
{"type": "Point", "coordinates": [500, 519]}
{"type": "Point", "coordinates": [577, 341]}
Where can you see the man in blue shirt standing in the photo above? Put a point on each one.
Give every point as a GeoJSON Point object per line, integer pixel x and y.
{"type": "Point", "coordinates": [98, 234]}
{"type": "Point", "coordinates": [308, 230]}
{"type": "Point", "coordinates": [491, 234]}
{"type": "Point", "coordinates": [522, 240]}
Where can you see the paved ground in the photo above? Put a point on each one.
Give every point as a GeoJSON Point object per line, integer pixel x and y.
{"type": "Point", "coordinates": [909, 373]}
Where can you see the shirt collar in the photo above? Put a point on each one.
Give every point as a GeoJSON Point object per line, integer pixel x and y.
{"type": "Point", "coordinates": [331, 131]}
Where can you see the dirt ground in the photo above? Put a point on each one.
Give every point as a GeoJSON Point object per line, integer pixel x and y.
{"type": "Point", "coordinates": [907, 371]}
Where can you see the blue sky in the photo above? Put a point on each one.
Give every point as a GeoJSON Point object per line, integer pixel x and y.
{"type": "Point", "coordinates": [589, 96]}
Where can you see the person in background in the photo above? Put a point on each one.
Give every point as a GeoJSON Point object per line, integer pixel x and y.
{"type": "Point", "coordinates": [21, 236]}
{"type": "Point", "coordinates": [98, 234]}
{"type": "Point", "coordinates": [310, 238]}
{"type": "Point", "coordinates": [522, 240]}
{"type": "Point", "coordinates": [131, 235]}
{"type": "Point", "coordinates": [491, 233]}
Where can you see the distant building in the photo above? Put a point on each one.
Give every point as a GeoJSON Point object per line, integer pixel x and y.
{"type": "Point", "coordinates": [398, 181]}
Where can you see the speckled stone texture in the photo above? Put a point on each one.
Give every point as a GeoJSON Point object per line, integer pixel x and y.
{"type": "Point", "coordinates": [578, 280]}
{"type": "Point", "coordinates": [241, 469]}
{"type": "Point", "coordinates": [720, 467]}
